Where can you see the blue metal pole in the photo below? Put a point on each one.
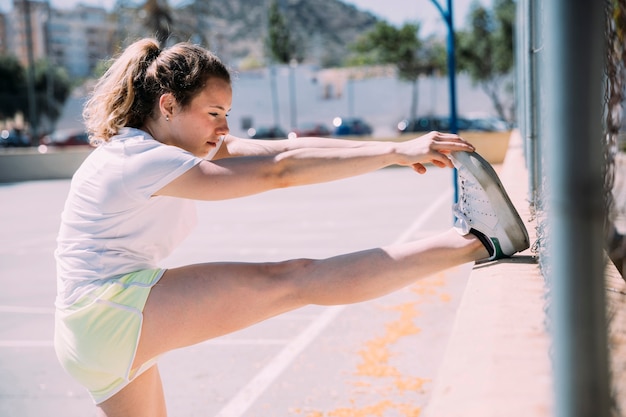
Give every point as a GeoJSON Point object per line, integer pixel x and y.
{"type": "Point", "coordinates": [451, 69]}
{"type": "Point", "coordinates": [447, 17]}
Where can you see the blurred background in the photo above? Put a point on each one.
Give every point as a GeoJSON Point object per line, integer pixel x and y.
{"type": "Point", "coordinates": [314, 67]}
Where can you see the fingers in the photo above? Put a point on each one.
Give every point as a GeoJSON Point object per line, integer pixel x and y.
{"type": "Point", "coordinates": [449, 142]}
{"type": "Point", "coordinates": [440, 164]}
{"type": "Point", "coordinates": [419, 168]}
{"type": "Point", "coordinates": [434, 148]}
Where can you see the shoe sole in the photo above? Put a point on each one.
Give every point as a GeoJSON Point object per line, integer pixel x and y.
{"type": "Point", "coordinates": [488, 179]}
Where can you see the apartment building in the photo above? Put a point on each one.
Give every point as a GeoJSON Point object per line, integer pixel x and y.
{"type": "Point", "coordinates": [26, 23]}
{"type": "Point", "coordinates": [75, 39]}
{"type": "Point", "coordinates": [3, 35]}
{"type": "Point", "coordinates": [80, 38]}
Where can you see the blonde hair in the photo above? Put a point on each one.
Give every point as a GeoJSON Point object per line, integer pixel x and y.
{"type": "Point", "coordinates": [128, 91]}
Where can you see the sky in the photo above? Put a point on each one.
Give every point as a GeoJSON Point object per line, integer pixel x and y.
{"type": "Point", "coordinates": [394, 11]}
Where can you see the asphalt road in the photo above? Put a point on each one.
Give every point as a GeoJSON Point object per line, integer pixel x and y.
{"type": "Point", "coordinates": [368, 359]}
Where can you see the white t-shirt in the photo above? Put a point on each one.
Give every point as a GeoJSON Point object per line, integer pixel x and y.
{"type": "Point", "coordinates": [112, 224]}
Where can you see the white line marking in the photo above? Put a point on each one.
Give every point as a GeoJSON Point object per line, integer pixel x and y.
{"type": "Point", "coordinates": [26, 310]}
{"type": "Point", "coordinates": [215, 342]}
{"type": "Point", "coordinates": [248, 395]}
{"type": "Point", "coordinates": [25, 343]}
{"type": "Point", "coordinates": [425, 216]}
{"type": "Point", "coordinates": [242, 401]}
{"type": "Point", "coordinates": [244, 342]}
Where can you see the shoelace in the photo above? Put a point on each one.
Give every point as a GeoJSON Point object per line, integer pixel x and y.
{"type": "Point", "coordinates": [469, 192]}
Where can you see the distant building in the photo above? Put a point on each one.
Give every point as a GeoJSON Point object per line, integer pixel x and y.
{"type": "Point", "coordinates": [17, 25]}
{"type": "Point", "coordinates": [3, 35]}
{"type": "Point", "coordinates": [75, 39]}
{"type": "Point", "coordinates": [80, 38]}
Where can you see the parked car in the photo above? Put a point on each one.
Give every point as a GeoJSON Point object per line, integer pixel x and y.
{"type": "Point", "coordinates": [271, 132]}
{"type": "Point", "coordinates": [430, 123]}
{"type": "Point", "coordinates": [489, 124]}
{"type": "Point", "coordinates": [66, 137]}
{"type": "Point", "coordinates": [442, 124]}
{"type": "Point", "coordinates": [310, 129]}
{"type": "Point", "coordinates": [351, 126]}
{"type": "Point", "coordinates": [13, 138]}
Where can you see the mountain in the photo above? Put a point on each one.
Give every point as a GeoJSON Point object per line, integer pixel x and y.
{"type": "Point", "coordinates": [236, 29]}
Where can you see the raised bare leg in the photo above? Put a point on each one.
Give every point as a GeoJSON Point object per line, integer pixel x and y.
{"type": "Point", "coordinates": [199, 302]}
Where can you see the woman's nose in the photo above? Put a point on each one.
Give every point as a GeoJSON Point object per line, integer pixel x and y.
{"type": "Point", "coordinates": [223, 129]}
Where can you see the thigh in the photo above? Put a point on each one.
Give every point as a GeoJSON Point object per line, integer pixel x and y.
{"type": "Point", "coordinates": [143, 397]}
{"type": "Point", "coordinates": [198, 302]}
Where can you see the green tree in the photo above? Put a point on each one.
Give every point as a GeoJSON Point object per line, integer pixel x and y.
{"type": "Point", "coordinates": [280, 43]}
{"type": "Point", "coordinates": [158, 19]}
{"type": "Point", "coordinates": [401, 47]}
{"type": "Point", "coordinates": [282, 49]}
{"type": "Point", "coordinates": [12, 87]}
{"type": "Point", "coordinates": [485, 52]}
{"type": "Point", "coordinates": [52, 87]}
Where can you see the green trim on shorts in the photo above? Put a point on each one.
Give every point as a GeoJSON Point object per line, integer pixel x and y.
{"type": "Point", "coordinates": [96, 338]}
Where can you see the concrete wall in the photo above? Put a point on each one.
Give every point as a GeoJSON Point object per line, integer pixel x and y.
{"type": "Point", "coordinates": [28, 164]}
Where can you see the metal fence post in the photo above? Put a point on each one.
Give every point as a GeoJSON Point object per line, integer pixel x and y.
{"type": "Point", "coordinates": [571, 130]}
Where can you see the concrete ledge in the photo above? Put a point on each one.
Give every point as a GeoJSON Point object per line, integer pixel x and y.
{"type": "Point", "coordinates": [497, 362]}
{"type": "Point", "coordinates": [29, 164]}
{"type": "Point", "coordinates": [492, 146]}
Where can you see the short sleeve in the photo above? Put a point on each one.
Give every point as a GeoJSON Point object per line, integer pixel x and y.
{"type": "Point", "coordinates": [150, 165]}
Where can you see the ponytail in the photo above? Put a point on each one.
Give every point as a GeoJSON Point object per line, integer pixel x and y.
{"type": "Point", "coordinates": [110, 106]}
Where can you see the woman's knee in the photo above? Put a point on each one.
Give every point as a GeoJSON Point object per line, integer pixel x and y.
{"type": "Point", "coordinates": [290, 276]}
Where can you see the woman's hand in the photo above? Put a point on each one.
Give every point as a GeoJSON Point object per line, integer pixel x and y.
{"type": "Point", "coordinates": [432, 148]}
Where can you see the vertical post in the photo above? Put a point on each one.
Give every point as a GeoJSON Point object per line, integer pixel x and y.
{"type": "Point", "coordinates": [447, 17]}
{"type": "Point", "coordinates": [527, 52]}
{"type": "Point", "coordinates": [50, 99]}
{"type": "Point", "coordinates": [451, 69]}
{"type": "Point", "coordinates": [350, 94]}
{"type": "Point", "coordinates": [274, 88]}
{"type": "Point", "coordinates": [573, 78]}
{"type": "Point", "coordinates": [535, 45]}
{"type": "Point", "coordinates": [32, 103]}
{"type": "Point", "coordinates": [292, 94]}
{"type": "Point", "coordinates": [452, 82]}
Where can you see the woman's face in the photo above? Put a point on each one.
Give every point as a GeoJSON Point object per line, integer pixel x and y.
{"type": "Point", "coordinates": [198, 127]}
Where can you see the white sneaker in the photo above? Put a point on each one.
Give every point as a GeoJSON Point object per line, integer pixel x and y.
{"type": "Point", "coordinates": [484, 208]}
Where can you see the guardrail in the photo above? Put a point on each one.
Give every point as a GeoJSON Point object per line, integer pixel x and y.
{"type": "Point", "coordinates": [31, 164]}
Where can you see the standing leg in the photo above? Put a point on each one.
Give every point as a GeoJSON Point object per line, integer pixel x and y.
{"type": "Point", "coordinates": [143, 397]}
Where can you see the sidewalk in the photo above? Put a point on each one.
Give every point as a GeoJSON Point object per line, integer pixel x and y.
{"type": "Point", "coordinates": [498, 360]}
{"type": "Point", "coordinates": [497, 363]}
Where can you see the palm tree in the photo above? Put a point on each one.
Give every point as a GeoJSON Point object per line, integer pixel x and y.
{"type": "Point", "coordinates": [159, 19]}
{"type": "Point", "coordinates": [282, 48]}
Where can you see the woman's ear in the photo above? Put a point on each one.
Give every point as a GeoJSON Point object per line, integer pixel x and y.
{"type": "Point", "coordinates": [167, 104]}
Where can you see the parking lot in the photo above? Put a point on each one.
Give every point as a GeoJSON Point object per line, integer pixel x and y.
{"type": "Point", "coordinates": [357, 360]}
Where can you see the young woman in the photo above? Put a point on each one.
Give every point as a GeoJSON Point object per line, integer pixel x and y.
{"type": "Point", "coordinates": [160, 117]}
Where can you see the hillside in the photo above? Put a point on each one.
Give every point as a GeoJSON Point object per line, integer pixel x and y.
{"type": "Point", "coordinates": [236, 29]}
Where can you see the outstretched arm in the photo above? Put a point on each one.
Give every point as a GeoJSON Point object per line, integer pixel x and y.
{"type": "Point", "coordinates": [234, 146]}
{"type": "Point", "coordinates": [279, 165]}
